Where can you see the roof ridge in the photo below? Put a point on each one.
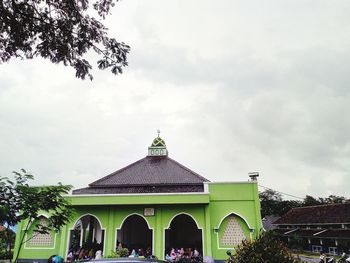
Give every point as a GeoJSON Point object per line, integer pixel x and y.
{"type": "Point", "coordinates": [188, 169]}
{"type": "Point", "coordinates": [114, 173]}
{"type": "Point", "coordinates": [321, 205]}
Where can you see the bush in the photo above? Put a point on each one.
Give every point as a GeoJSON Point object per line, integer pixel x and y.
{"type": "Point", "coordinates": [265, 249]}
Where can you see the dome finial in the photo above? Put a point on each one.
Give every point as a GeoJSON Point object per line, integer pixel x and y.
{"type": "Point", "coordinates": [158, 147]}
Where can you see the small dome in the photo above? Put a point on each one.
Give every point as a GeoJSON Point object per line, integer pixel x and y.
{"type": "Point", "coordinates": [158, 147]}
{"type": "Point", "coordinates": [158, 142]}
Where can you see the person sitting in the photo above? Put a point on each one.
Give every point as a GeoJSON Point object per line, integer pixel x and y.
{"type": "Point", "coordinates": [322, 258]}
{"type": "Point", "coordinates": [98, 254]}
{"type": "Point", "coordinates": [133, 254]}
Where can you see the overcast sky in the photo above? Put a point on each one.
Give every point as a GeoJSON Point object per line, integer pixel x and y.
{"type": "Point", "coordinates": [234, 87]}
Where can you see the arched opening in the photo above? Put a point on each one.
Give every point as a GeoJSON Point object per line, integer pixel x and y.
{"type": "Point", "coordinates": [232, 231]}
{"type": "Point", "coordinates": [135, 235]}
{"type": "Point", "coordinates": [183, 233]}
{"type": "Point", "coordinates": [86, 237]}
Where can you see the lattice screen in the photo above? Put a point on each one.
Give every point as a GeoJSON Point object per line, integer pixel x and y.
{"type": "Point", "coordinates": [233, 233]}
{"type": "Point", "coordinates": [41, 240]}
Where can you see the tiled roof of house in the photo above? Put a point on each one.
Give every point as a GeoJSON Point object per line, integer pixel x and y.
{"type": "Point", "coordinates": [152, 174]}
{"type": "Point", "coordinates": [321, 214]}
{"type": "Point", "coordinates": [268, 222]}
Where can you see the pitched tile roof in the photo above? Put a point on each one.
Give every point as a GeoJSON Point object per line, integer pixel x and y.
{"type": "Point", "coordinates": [321, 214]}
{"type": "Point", "coordinates": [268, 221]}
{"type": "Point", "coordinates": [141, 189]}
{"type": "Point", "coordinates": [150, 174]}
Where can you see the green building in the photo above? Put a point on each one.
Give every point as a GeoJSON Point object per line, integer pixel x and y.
{"type": "Point", "coordinates": [155, 203]}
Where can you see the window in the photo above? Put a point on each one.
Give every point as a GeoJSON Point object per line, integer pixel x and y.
{"type": "Point", "coordinates": [316, 249]}
{"type": "Point", "coordinates": [333, 250]}
{"type": "Point", "coordinates": [41, 240]}
{"type": "Point", "coordinates": [233, 233]}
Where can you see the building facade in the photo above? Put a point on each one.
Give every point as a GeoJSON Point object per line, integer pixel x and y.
{"type": "Point", "coordinates": [322, 228]}
{"type": "Point", "coordinates": [154, 204]}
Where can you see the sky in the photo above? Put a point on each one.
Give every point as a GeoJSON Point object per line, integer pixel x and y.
{"type": "Point", "coordinates": [233, 86]}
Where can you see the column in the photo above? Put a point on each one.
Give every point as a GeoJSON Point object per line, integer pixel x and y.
{"type": "Point", "coordinates": [158, 241]}
{"type": "Point", "coordinates": [207, 234]}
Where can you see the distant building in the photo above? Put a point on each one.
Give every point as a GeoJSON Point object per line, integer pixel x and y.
{"type": "Point", "coordinates": [268, 221]}
{"type": "Point", "coordinates": [153, 204]}
{"type": "Point", "coordinates": [319, 228]}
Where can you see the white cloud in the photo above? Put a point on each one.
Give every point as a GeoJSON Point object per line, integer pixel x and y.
{"type": "Point", "coordinates": [234, 86]}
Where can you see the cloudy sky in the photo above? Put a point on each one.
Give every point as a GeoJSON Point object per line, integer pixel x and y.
{"type": "Point", "coordinates": [234, 87]}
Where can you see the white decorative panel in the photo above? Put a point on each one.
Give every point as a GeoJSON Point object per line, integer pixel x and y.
{"type": "Point", "coordinates": [41, 240]}
{"type": "Point", "coordinates": [233, 233]}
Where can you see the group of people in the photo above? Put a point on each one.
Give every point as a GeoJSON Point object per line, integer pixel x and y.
{"type": "Point", "coordinates": [84, 253]}
{"type": "Point", "coordinates": [188, 255]}
{"type": "Point", "coordinates": [141, 253]}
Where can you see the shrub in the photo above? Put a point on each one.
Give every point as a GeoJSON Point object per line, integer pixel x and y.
{"type": "Point", "coordinates": [120, 253]}
{"type": "Point", "coordinates": [265, 249]}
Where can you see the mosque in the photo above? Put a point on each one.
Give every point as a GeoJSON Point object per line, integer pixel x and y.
{"type": "Point", "coordinates": [155, 204]}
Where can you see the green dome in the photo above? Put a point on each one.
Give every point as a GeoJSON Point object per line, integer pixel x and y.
{"type": "Point", "coordinates": [158, 142]}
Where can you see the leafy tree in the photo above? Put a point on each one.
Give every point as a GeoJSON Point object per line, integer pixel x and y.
{"type": "Point", "coordinates": [20, 202]}
{"type": "Point", "coordinates": [266, 248]}
{"type": "Point", "coordinates": [7, 236]}
{"type": "Point", "coordinates": [62, 31]}
{"type": "Point", "coordinates": [310, 201]}
{"type": "Point", "coordinates": [273, 204]}
{"type": "Point", "coordinates": [334, 199]}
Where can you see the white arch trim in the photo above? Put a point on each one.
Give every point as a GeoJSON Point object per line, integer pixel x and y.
{"type": "Point", "coordinates": [134, 214]}
{"type": "Point", "coordinates": [88, 214]}
{"type": "Point", "coordinates": [251, 230]}
{"type": "Point", "coordinates": [183, 213]}
{"type": "Point", "coordinates": [72, 228]}
{"type": "Point", "coordinates": [121, 225]}
{"type": "Point", "coordinates": [198, 227]}
{"type": "Point", "coordinates": [245, 220]}
{"type": "Point", "coordinates": [26, 237]}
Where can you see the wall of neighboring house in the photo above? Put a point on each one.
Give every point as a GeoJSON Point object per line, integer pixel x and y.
{"type": "Point", "coordinates": [318, 239]}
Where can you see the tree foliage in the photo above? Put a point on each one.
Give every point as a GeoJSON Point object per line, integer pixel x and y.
{"type": "Point", "coordinates": [266, 248]}
{"type": "Point", "coordinates": [7, 237]}
{"type": "Point", "coordinates": [21, 202]}
{"type": "Point", "coordinates": [273, 204]}
{"type": "Point", "coordinates": [62, 31]}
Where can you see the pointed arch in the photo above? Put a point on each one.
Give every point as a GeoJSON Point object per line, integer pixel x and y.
{"type": "Point", "coordinates": [183, 213]}
{"type": "Point", "coordinates": [232, 229]}
{"type": "Point", "coordinates": [134, 214]}
{"type": "Point", "coordinates": [184, 231]}
{"type": "Point", "coordinates": [87, 234]}
{"type": "Point", "coordinates": [135, 232]}
{"type": "Point", "coordinates": [37, 240]}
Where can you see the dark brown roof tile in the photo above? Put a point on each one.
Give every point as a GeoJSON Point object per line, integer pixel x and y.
{"type": "Point", "coordinates": [321, 214]}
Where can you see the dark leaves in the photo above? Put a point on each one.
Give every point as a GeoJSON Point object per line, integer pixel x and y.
{"type": "Point", "coordinates": [266, 248]}
{"type": "Point", "coordinates": [60, 31]}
